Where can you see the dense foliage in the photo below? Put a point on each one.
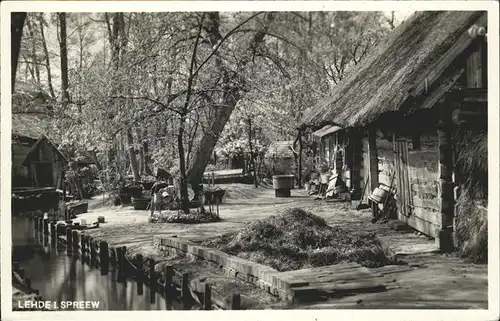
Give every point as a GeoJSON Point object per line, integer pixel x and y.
{"type": "Point", "coordinates": [158, 90]}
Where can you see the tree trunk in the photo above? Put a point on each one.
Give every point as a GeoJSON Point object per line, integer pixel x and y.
{"type": "Point", "coordinates": [64, 57]}
{"type": "Point", "coordinates": [34, 57]}
{"type": "Point", "coordinates": [182, 167]}
{"type": "Point", "coordinates": [300, 160]}
{"type": "Point", "coordinates": [202, 155]}
{"type": "Point", "coordinates": [46, 54]}
{"type": "Point", "coordinates": [141, 152]}
{"type": "Point", "coordinates": [229, 100]}
{"type": "Point", "coordinates": [131, 153]}
{"type": "Point", "coordinates": [252, 160]}
{"type": "Point", "coordinates": [147, 157]}
{"type": "Point", "coordinates": [16, 32]}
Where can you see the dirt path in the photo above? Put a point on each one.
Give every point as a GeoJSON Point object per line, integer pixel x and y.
{"type": "Point", "coordinates": [434, 280]}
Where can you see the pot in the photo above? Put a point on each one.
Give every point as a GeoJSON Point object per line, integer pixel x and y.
{"type": "Point", "coordinates": [379, 195]}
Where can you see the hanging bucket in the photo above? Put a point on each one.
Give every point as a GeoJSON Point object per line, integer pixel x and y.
{"type": "Point", "coordinates": [386, 188]}
{"type": "Point", "coordinates": [379, 195]}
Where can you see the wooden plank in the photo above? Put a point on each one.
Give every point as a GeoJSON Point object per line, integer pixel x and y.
{"type": "Point", "coordinates": [426, 203]}
{"type": "Point", "coordinates": [354, 278]}
{"type": "Point", "coordinates": [435, 71]}
{"type": "Point", "coordinates": [420, 225]}
{"type": "Point", "coordinates": [339, 289]}
{"type": "Point", "coordinates": [439, 92]}
{"type": "Point", "coordinates": [329, 268]}
{"type": "Point", "coordinates": [427, 215]}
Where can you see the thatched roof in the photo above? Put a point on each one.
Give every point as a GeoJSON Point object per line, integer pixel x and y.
{"type": "Point", "coordinates": [280, 149]}
{"type": "Point", "coordinates": [382, 81]}
{"type": "Point", "coordinates": [29, 125]}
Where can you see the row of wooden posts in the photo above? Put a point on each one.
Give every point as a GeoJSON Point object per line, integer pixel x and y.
{"type": "Point", "coordinates": [99, 253]}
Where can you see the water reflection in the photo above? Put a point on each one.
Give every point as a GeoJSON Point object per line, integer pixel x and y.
{"type": "Point", "coordinates": [61, 276]}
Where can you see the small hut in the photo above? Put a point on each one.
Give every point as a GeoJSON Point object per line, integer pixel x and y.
{"type": "Point", "coordinates": [36, 161]}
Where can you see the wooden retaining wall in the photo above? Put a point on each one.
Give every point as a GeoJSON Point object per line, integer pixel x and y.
{"type": "Point", "coordinates": [171, 284]}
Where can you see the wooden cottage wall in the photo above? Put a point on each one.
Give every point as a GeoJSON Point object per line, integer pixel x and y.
{"type": "Point", "coordinates": [365, 168]}
{"type": "Point", "coordinates": [423, 172]}
{"type": "Point", "coordinates": [385, 153]}
{"type": "Point", "coordinates": [47, 153]}
{"type": "Point", "coordinates": [19, 172]}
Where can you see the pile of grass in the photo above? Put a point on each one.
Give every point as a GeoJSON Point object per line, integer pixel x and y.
{"type": "Point", "coordinates": [471, 217]}
{"type": "Point", "coordinates": [297, 239]}
{"type": "Point", "coordinates": [471, 223]}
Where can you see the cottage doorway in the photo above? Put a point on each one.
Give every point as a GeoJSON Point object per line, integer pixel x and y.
{"type": "Point", "coordinates": [402, 177]}
{"type": "Point", "coordinates": [44, 174]}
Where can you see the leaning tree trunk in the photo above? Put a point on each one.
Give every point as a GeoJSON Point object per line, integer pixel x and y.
{"type": "Point", "coordinates": [231, 97]}
{"type": "Point", "coordinates": [16, 32]}
{"type": "Point", "coordinates": [202, 155]}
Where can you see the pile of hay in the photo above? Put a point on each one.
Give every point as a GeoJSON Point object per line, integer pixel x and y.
{"type": "Point", "coordinates": [298, 239]}
{"type": "Point", "coordinates": [471, 217]}
{"type": "Point", "coordinates": [471, 223]}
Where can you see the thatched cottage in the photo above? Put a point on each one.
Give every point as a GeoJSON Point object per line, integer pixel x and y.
{"type": "Point", "coordinates": [402, 115]}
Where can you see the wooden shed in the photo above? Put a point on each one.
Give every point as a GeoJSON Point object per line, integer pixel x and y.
{"type": "Point", "coordinates": [399, 109]}
{"type": "Point", "coordinates": [36, 161]}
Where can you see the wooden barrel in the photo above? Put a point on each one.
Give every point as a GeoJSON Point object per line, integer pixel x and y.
{"type": "Point", "coordinates": [283, 182]}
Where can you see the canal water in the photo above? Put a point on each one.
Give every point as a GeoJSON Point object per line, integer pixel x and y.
{"type": "Point", "coordinates": [61, 276]}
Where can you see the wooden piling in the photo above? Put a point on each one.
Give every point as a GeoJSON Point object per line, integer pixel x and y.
{"type": "Point", "coordinates": [104, 257]}
{"type": "Point", "coordinates": [40, 223]}
{"type": "Point", "coordinates": [53, 233]}
{"type": "Point", "coordinates": [169, 274]}
{"type": "Point", "coordinates": [138, 274]}
{"type": "Point", "coordinates": [46, 226]}
{"type": "Point", "coordinates": [120, 252]}
{"type": "Point", "coordinates": [236, 302]}
{"type": "Point", "coordinates": [69, 239]}
{"type": "Point", "coordinates": [74, 237]}
{"type": "Point", "coordinates": [36, 223]}
{"type": "Point", "coordinates": [152, 281]}
{"type": "Point", "coordinates": [207, 297]}
{"type": "Point", "coordinates": [185, 291]}
{"type": "Point", "coordinates": [82, 244]}
{"type": "Point", "coordinates": [92, 251]}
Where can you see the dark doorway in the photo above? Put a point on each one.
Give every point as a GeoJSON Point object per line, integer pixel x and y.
{"type": "Point", "coordinates": [44, 175]}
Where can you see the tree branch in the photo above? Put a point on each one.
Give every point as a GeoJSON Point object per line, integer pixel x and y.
{"type": "Point", "coordinates": [221, 41]}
